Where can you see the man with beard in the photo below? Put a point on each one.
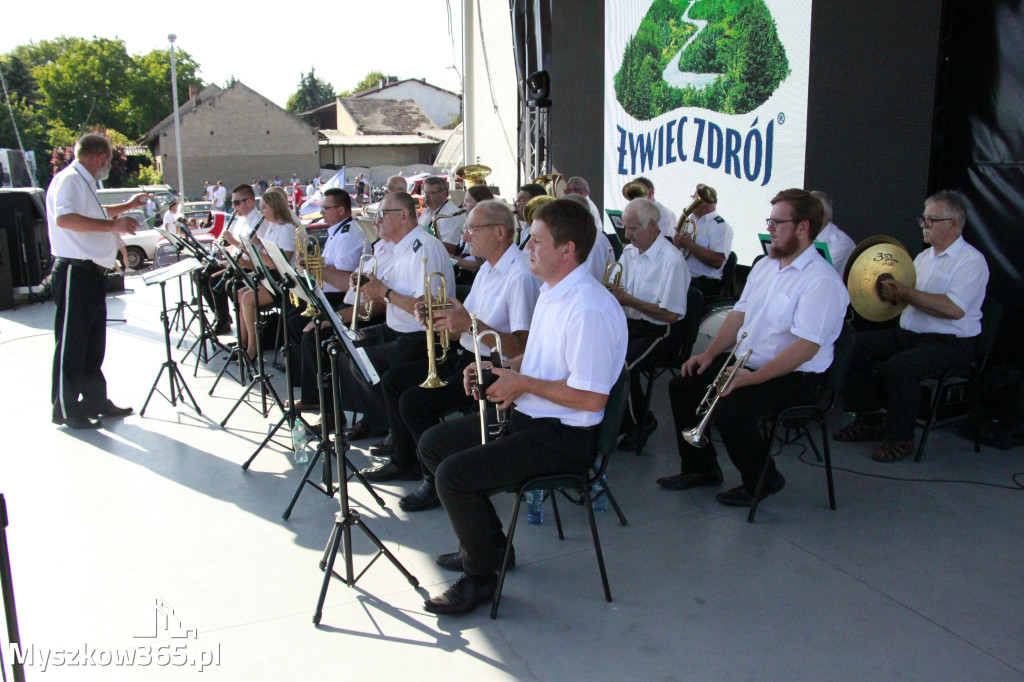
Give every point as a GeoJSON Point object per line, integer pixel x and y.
{"type": "Point", "coordinates": [83, 239]}
{"type": "Point", "coordinates": [791, 311]}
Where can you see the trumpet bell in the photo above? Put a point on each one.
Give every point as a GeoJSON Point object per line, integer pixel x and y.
{"type": "Point", "coordinates": [696, 437]}
{"type": "Point", "coordinates": [874, 259]}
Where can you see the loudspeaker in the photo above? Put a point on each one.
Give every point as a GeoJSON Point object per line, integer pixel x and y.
{"type": "Point", "coordinates": [6, 283]}
{"type": "Point", "coordinates": [23, 216]}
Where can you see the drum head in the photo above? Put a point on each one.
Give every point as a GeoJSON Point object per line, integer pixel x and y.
{"type": "Point", "coordinates": [709, 327]}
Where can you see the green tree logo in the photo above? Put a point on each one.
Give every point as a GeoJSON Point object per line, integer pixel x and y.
{"type": "Point", "coordinates": [722, 55]}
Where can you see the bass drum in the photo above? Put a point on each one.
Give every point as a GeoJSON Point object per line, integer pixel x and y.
{"type": "Point", "coordinates": [709, 327]}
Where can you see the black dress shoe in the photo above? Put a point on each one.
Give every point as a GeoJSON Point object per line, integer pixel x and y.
{"type": "Point", "coordinates": [357, 431]}
{"type": "Point", "coordinates": [452, 561]}
{"type": "Point", "coordinates": [78, 422]}
{"type": "Point", "coordinates": [222, 328]}
{"type": "Point", "coordinates": [694, 480]}
{"type": "Point", "coordinates": [739, 497]}
{"type": "Point", "coordinates": [108, 409]}
{"type": "Point", "coordinates": [391, 472]}
{"type": "Point", "coordinates": [383, 448]}
{"type": "Point", "coordinates": [462, 597]}
{"type": "Point", "coordinates": [422, 499]}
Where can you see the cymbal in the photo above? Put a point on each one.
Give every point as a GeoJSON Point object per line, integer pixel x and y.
{"type": "Point", "coordinates": [874, 258]}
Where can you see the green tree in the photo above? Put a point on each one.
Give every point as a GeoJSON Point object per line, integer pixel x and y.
{"type": "Point", "coordinates": [369, 80]}
{"type": "Point", "coordinates": [312, 92]}
{"type": "Point", "coordinates": [149, 94]}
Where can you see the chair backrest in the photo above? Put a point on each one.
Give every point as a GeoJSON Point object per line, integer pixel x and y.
{"type": "Point", "coordinates": [842, 353]}
{"type": "Point", "coordinates": [608, 431]}
{"type": "Point", "coordinates": [729, 276]}
{"type": "Point", "coordinates": [991, 319]}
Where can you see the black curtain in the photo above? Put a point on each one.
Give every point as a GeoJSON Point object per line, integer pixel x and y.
{"type": "Point", "coordinates": [979, 145]}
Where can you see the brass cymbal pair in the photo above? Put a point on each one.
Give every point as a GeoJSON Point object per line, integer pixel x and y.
{"type": "Point", "coordinates": [874, 260]}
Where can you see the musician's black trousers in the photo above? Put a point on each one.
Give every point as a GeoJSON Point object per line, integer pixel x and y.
{"type": "Point", "coordinates": [650, 345]}
{"type": "Point", "coordinates": [737, 417]}
{"type": "Point", "coordinates": [215, 299]}
{"type": "Point", "coordinates": [909, 357]}
{"type": "Point", "coordinates": [412, 409]}
{"type": "Point", "coordinates": [465, 471]}
{"type": "Point", "coordinates": [297, 342]}
{"type": "Point", "coordinates": [80, 333]}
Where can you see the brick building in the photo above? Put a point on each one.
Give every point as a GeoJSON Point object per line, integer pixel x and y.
{"type": "Point", "coordinates": [234, 135]}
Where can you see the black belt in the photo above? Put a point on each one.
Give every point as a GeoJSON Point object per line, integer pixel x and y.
{"type": "Point", "coordinates": [84, 263]}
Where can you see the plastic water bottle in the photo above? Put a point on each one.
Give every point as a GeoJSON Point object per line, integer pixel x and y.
{"type": "Point", "coordinates": [535, 507]}
{"type": "Point", "coordinates": [300, 437]}
{"type": "Point", "coordinates": [599, 495]}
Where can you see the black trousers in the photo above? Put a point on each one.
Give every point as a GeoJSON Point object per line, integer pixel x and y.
{"type": "Point", "coordinates": [216, 294]}
{"type": "Point", "coordinates": [908, 358]}
{"type": "Point", "coordinates": [412, 409]}
{"type": "Point", "coordinates": [649, 345]}
{"type": "Point", "coordinates": [80, 335]}
{"type": "Point", "coordinates": [297, 340]}
{"type": "Point", "coordinates": [710, 287]}
{"type": "Point", "coordinates": [737, 417]}
{"type": "Point", "coordinates": [465, 470]}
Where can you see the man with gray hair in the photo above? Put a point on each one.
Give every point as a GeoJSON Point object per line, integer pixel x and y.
{"type": "Point", "coordinates": [840, 246]}
{"type": "Point", "coordinates": [396, 183]}
{"type": "Point", "coordinates": [579, 186]}
{"type": "Point", "coordinates": [83, 239]}
{"type": "Point", "coordinates": [653, 290]}
{"type": "Point", "coordinates": [938, 329]}
{"type": "Point", "coordinates": [436, 203]}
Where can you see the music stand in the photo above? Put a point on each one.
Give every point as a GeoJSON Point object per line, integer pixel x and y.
{"type": "Point", "coordinates": [178, 319]}
{"type": "Point", "coordinates": [178, 387]}
{"type": "Point", "coordinates": [259, 376]}
{"type": "Point", "coordinates": [205, 332]}
{"type": "Point", "coordinates": [236, 274]}
{"type": "Point", "coordinates": [312, 294]}
{"type": "Point", "coordinates": [346, 518]}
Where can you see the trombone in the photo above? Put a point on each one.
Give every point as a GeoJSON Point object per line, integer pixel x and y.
{"type": "Point", "coordinates": [696, 436]}
{"type": "Point", "coordinates": [482, 378]}
{"type": "Point", "coordinates": [364, 311]}
{"type": "Point", "coordinates": [429, 305]}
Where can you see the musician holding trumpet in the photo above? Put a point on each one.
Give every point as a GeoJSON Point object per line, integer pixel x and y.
{"type": "Point", "coordinates": [789, 316]}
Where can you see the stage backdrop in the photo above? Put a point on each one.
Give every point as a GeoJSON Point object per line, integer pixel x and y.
{"type": "Point", "coordinates": [711, 91]}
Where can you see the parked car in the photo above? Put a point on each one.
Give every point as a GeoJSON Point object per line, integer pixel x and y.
{"type": "Point", "coordinates": [141, 246]}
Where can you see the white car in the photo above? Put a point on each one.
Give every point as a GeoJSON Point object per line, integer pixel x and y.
{"type": "Point", "coordinates": [140, 246]}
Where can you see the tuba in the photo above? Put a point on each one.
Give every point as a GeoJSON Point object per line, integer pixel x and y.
{"type": "Point", "coordinates": [482, 378]}
{"type": "Point", "coordinates": [533, 204]}
{"type": "Point", "coordinates": [365, 310]}
{"type": "Point", "coordinates": [473, 174]}
{"type": "Point", "coordinates": [634, 189]}
{"type": "Point", "coordinates": [428, 307]}
{"type": "Point", "coordinates": [687, 224]}
{"type": "Point", "coordinates": [612, 271]}
{"type": "Point", "coordinates": [433, 221]}
{"type": "Point", "coordinates": [695, 436]}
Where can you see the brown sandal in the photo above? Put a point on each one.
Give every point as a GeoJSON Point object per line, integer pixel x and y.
{"type": "Point", "coordinates": [858, 431]}
{"type": "Point", "coordinates": [893, 450]}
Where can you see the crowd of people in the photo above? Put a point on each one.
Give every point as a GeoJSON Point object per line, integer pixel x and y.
{"type": "Point", "coordinates": [540, 278]}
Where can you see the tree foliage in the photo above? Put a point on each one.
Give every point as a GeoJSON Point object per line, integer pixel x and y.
{"type": "Point", "coordinates": [369, 80]}
{"type": "Point", "coordinates": [312, 93]}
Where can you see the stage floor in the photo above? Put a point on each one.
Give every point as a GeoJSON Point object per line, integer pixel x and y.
{"type": "Point", "coordinates": [916, 575]}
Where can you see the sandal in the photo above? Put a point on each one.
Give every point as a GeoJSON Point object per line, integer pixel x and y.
{"type": "Point", "coordinates": [893, 450]}
{"type": "Point", "coordinates": [858, 430]}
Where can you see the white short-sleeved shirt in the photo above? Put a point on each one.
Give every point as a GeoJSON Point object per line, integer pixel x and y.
{"type": "Point", "coordinates": [281, 234]}
{"type": "Point", "coordinates": [804, 300]}
{"type": "Point", "coordinates": [242, 226]}
{"type": "Point", "coordinates": [578, 334]}
{"type": "Point", "coordinates": [450, 229]}
{"type": "Point", "coordinates": [598, 258]}
{"type": "Point", "coordinates": [169, 218]}
{"type": "Point", "coordinates": [961, 273]}
{"type": "Point", "coordinates": [598, 221]}
{"type": "Point", "coordinates": [715, 234]}
{"type": "Point", "coordinates": [73, 190]}
{"type": "Point", "coordinates": [384, 251]}
{"type": "Point", "coordinates": [658, 275]}
{"type": "Point", "coordinates": [840, 246]}
{"type": "Point", "coordinates": [667, 222]}
{"type": "Point", "coordinates": [344, 245]}
{"type": "Point", "coordinates": [503, 296]}
{"type": "Point", "coordinates": [405, 275]}
{"type": "Point", "coordinates": [219, 196]}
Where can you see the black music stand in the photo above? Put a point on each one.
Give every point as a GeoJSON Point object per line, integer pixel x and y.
{"type": "Point", "coordinates": [237, 276]}
{"type": "Point", "coordinates": [206, 334]}
{"type": "Point", "coordinates": [178, 388]}
{"type": "Point", "coordinates": [178, 318]}
{"type": "Point", "coordinates": [311, 293]}
{"type": "Point", "coordinates": [7, 588]}
{"type": "Point", "coordinates": [346, 517]}
{"type": "Point", "coordinates": [259, 377]}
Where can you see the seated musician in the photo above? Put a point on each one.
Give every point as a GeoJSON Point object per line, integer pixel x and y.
{"type": "Point", "coordinates": [559, 388]}
{"type": "Point", "coordinates": [503, 297]}
{"type": "Point", "coordinates": [528, 191]}
{"type": "Point", "coordinates": [436, 203]}
{"type": "Point", "coordinates": [279, 228]}
{"type": "Point", "coordinates": [466, 264]}
{"type": "Point", "coordinates": [792, 311]}
{"type": "Point", "coordinates": [602, 253]}
{"type": "Point", "coordinates": [708, 249]}
{"type": "Point", "coordinates": [655, 281]}
{"type": "Point", "coordinates": [938, 329]}
{"type": "Point", "coordinates": [401, 339]}
{"type": "Point", "coordinates": [242, 224]}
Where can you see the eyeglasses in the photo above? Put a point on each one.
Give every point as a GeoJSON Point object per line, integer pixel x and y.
{"type": "Point", "coordinates": [772, 222]}
{"type": "Point", "coordinates": [328, 208]}
{"type": "Point", "coordinates": [930, 222]}
{"type": "Point", "coordinates": [436, 191]}
{"type": "Point", "coordinates": [382, 212]}
{"type": "Point", "coordinates": [475, 228]}
{"type": "Point", "coordinates": [236, 202]}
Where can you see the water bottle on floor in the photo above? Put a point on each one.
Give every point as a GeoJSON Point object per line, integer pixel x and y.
{"type": "Point", "coordinates": [599, 495]}
{"type": "Point", "coordinates": [535, 507]}
{"type": "Point", "coordinates": [300, 439]}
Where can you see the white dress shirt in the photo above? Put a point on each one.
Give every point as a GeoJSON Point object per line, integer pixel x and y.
{"type": "Point", "coordinates": [578, 334]}
{"type": "Point", "coordinates": [503, 296]}
{"type": "Point", "coordinates": [667, 222]}
{"type": "Point", "coordinates": [715, 234]}
{"type": "Point", "coordinates": [598, 221]}
{"type": "Point", "coordinates": [599, 257]}
{"type": "Point", "coordinates": [405, 275]}
{"type": "Point", "coordinates": [73, 190]}
{"type": "Point", "coordinates": [804, 300]}
{"type": "Point", "coordinates": [343, 247]}
{"type": "Point", "coordinates": [449, 229]}
{"type": "Point", "coordinates": [961, 273]}
{"type": "Point", "coordinates": [840, 246]}
{"type": "Point", "coordinates": [658, 275]}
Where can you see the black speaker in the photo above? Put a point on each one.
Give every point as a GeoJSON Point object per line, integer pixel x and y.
{"type": "Point", "coordinates": [6, 282]}
{"type": "Point", "coordinates": [23, 216]}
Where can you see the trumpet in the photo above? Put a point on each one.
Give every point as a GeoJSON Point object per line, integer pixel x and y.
{"type": "Point", "coordinates": [482, 378]}
{"type": "Point", "coordinates": [428, 307]}
{"type": "Point", "coordinates": [300, 257]}
{"type": "Point", "coordinates": [612, 271]}
{"type": "Point", "coordinates": [687, 224]}
{"type": "Point", "coordinates": [433, 221]}
{"type": "Point", "coordinates": [365, 310]}
{"type": "Point", "coordinates": [314, 266]}
{"type": "Point", "coordinates": [696, 436]}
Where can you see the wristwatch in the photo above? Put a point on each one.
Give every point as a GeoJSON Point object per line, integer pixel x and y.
{"type": "Point", "coordinates": [387, 296]}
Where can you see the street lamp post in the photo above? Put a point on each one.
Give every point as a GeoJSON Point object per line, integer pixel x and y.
{"type": "Point", "coordinates": [177, 127]}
